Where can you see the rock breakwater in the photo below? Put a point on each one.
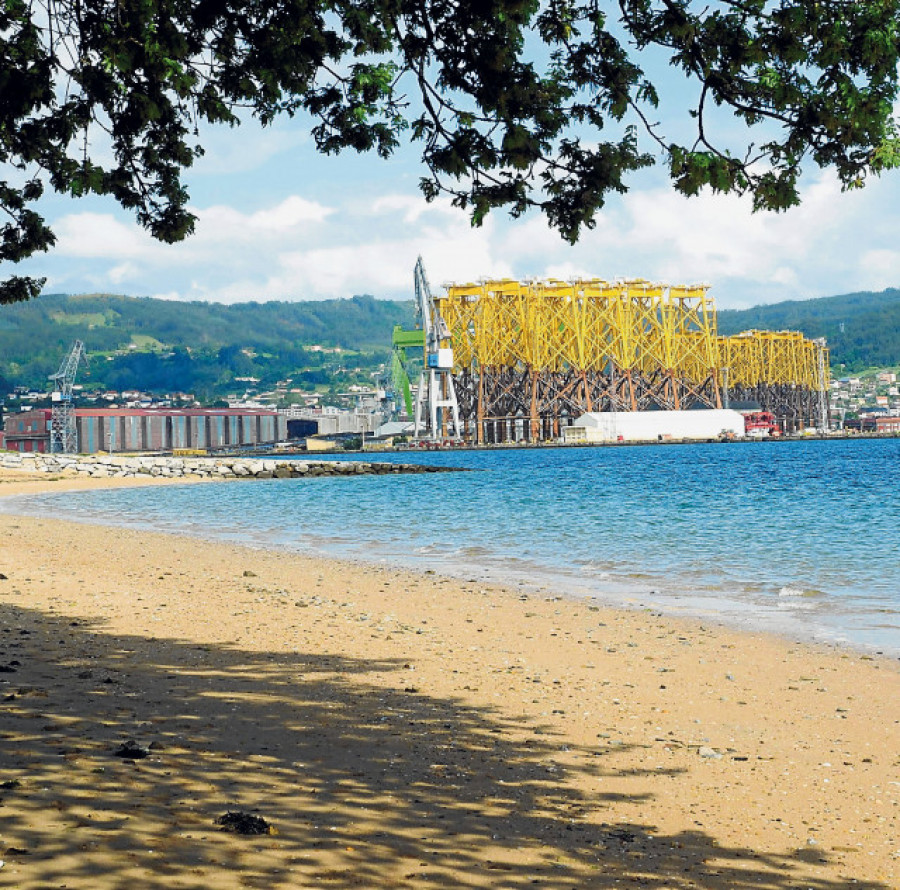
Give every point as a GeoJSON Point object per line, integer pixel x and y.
{"type": "Point", "coordinates": [206, 467]}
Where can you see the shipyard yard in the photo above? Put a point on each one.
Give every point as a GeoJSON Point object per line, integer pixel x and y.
{"type": "Point", "coordinates": [402, 729]}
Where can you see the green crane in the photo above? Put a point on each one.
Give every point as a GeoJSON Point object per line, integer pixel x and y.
{"type": "Point", "coordinates": [401, 341]}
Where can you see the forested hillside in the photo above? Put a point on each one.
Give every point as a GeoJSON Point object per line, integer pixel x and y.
{"type": "Point", "coordinates": [862, 329]}
{"type": "Point", "coordinates": [160, 345]}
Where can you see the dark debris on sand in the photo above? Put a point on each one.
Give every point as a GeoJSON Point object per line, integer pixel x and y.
{"type": "Point", "coordinates": [131, 750]}
{"type": "Point", "coordinates": [244, 823]}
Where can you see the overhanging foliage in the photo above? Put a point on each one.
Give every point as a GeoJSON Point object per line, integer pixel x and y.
{"type": "Point", "coordinates": [516, 103]}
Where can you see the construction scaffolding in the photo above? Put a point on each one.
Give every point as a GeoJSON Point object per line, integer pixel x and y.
{"type": "Point", "coordinates": [530, 357]}
{"type": "Point", "coordinates": [783, 371]}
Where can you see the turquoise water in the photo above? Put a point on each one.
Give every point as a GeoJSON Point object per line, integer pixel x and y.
{"type": "Point", "coordinates": [799, 538]}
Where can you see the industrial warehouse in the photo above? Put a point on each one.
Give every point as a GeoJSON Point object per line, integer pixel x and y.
{"type": "Point", "coordinates": [65, 429]}
{"type": "Point", "coordinates": [113, 429]}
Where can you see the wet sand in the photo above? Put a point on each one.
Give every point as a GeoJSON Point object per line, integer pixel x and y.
{"type": "Point", "coordinates": [406, 730]}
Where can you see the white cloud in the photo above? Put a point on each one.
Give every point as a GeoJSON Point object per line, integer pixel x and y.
{"type": "Point", "coordinates": [100, 236]}
{"type": "Point", "coordinates": [787, 277]}
{"type": "Point", "coordinates": [879, 266]}
{"type": "Point", "coordinates": [383, 264]}
{"type": "Point", "coordinates": [408, 207]}
{"type": "Point", "coordinates": [822, 247]}
{"type": "Point", "coordinates": [291, 212]}
{"type": "Point", "coordinates": [123, 272]}
{"type": "Point", "coordinates": [291, 218]}
{"type": "Point", "coordinates": [295, 247]}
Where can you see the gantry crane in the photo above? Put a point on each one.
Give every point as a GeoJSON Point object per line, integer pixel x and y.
{"type": "Point", "coordinates": [401, 342]}
{"type": "Point", "coordinates": [63, 435]}
{"type": "Point", "coordinates": [436, 393]}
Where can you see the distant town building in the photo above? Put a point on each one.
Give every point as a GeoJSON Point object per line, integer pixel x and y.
{"type": "Point", "coordinates": [887, 424]}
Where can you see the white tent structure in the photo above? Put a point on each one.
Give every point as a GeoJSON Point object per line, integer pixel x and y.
{"type": "Point", "coordinates": [654, 426]}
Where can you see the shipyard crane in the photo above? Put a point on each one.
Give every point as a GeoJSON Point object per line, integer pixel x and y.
{"type": "Point", "coordinates": [63, 436]}
{"type": "Point", "coordinates": [822, 400]}
{"type": "Point", "coordinates": [436, 405]}
{"type": "Point", "coordinates": [402, 387]}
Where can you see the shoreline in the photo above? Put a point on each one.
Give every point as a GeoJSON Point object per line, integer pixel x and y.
{"type": "Point", "coordinates": [786, 618]}
{"type": "Point", "coordinates": [407, 729]}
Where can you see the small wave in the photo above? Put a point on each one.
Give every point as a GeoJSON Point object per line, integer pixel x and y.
{"type": "Point", "coordinates": [473, 550]}
{"type": "Point", "coordinates": [798, 605]}
{"type": "Point", "coordinates": [436, 548]}
{"type": "Point", "coordinates": [592, 570]}
{"type": "Point", "coordinates": [807, 592]}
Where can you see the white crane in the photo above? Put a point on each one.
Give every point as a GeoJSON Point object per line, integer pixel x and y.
{"type": "Point", "coordinates": [436, 392]}
{"type": "Point", "coordinates": [822, 398]}
{"type": "Point", "coordinates": [63, 435]}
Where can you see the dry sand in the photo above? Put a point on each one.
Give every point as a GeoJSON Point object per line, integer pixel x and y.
{"type": "Point", "coordinates": [406, 730]}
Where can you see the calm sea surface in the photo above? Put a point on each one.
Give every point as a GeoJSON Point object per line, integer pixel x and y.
{"type": "Point", "coordinates": [800, 538]}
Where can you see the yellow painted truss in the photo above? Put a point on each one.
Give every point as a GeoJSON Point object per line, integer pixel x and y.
{"type": "Point", "coordinates": [625, 327]}
{"type": "Point", "coordinates": [774, 358]}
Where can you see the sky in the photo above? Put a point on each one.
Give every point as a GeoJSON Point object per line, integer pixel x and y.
{"type": "Point", "coordinates": [276, 220]}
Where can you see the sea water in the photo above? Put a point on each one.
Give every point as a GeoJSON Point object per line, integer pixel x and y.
{"type": "Point", "coordinates": [794, 537]}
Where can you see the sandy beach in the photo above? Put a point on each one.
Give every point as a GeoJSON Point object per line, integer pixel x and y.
{"type": "Point", "coordinates": [397, 729]}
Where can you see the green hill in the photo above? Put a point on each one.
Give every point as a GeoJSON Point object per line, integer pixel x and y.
{"type": "Point", "coordinates": [164, 345]}
{"type": "Point", "coordinates": [862, 329]}
{"type": "Point", "coordinates": [158, 345]}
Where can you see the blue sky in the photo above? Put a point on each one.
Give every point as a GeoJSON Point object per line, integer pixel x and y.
{"type": "Point", "coordinates": [276, 220]}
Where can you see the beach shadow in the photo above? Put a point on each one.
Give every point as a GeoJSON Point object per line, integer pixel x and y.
{"type": "Point", "coordinates": [368, 784]}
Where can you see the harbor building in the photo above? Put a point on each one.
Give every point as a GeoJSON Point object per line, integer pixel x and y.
{"type": "Point", "coordinates": [134, 430]}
